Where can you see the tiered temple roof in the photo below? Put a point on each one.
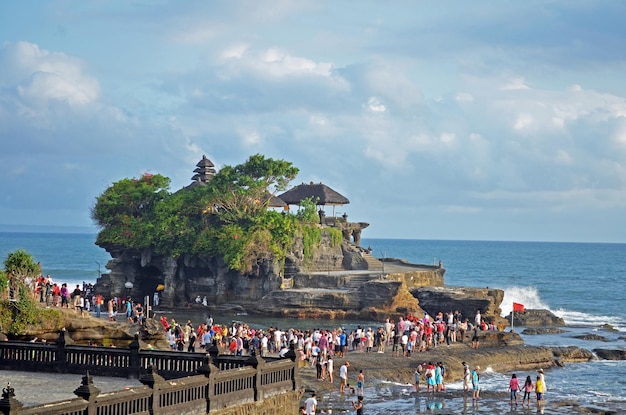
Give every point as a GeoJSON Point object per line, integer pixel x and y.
{"type": "Point", "coordinates": [204, 171]}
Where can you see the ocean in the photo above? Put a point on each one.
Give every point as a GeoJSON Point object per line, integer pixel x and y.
{"type": "Point", "coordinates": [581, 282]}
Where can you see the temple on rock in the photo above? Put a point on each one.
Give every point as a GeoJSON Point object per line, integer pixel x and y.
{"type": "Point", "coordinates": [338, 280]}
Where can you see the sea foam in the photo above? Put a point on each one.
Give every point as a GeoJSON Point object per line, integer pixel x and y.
{"type": "Point", "coordinates": [529, 297]}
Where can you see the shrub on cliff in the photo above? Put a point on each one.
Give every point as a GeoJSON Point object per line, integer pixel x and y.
{"type": "Point", "coordinates": [226, 216]}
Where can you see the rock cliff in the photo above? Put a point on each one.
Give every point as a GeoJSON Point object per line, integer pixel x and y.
{"type": "Point", "coordinates": [536, 318]}
{"type": "Point", "coordinates": [464, 299]}
{"type": "Point", "coordinates": [339, 281]}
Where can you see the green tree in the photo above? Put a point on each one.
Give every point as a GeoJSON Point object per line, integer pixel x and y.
{"type": "Point", "coordinates": [228, 216]}
{"type": "Point", "coordinates": [20, 265]}
{"type": "Point", "coordinates": [126, 211]}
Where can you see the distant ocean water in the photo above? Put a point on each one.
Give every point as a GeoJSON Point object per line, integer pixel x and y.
{"type": "Point", "coordinates": [581, 282]}
{"type": "Point", "coordinates": [67, 257]}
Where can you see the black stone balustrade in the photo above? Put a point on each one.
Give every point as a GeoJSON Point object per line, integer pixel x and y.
{"type": "Point", "coordinates": [175, 383]}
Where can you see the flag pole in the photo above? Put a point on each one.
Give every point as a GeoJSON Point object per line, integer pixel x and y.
{"type": "Point", "coordinates": [512, 314]}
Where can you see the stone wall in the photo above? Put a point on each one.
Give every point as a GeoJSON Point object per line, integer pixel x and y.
{"type": "Point", "coordinates": [284, 404]}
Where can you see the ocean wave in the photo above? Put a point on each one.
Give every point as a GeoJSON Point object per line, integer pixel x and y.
{"type": "Point", "coordinates": [577, 318]}
{"type": "Point", "coordinates": [529, 297]}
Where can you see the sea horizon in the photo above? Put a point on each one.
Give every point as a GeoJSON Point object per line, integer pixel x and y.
{"type": "Point", "coordinates": [93, 230]}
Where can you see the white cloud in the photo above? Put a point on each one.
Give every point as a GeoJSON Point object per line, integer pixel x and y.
{"type": "Point", "coordinates": [515, 84]}
{"type": "Point", "coordinates": [42, 77]}
{"type": "Point", "coordinates": [464, 97]}
{"type": "Point", "coordinates": [374, 105]}
{"type": "Point", "coordinates": [523, 121]}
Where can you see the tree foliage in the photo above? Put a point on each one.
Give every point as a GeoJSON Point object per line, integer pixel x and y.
{"type": "Point", "coordinates": [20, 265]}
{"type": "Point", "coordinates": [228, 216]}
{"type": "Point", "coordinates": [21, 313]}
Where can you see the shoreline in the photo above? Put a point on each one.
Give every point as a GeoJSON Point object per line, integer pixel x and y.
{"type": "Point", "coordinates": [389, 381]}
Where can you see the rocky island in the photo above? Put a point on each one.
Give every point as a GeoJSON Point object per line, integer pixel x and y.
{"type": "Point", "coordinates": [327, 275]}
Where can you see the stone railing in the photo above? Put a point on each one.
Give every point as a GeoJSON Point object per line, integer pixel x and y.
{"type": "Point", "coordinates": [106, 361]}
{"type": "Point", "coordinates": [213, 383]}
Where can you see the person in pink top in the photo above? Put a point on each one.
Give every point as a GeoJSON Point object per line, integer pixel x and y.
{"type": "Point", "coordinates": [514, 387]}
{"type": "Point", "coordinates": [528, 389]}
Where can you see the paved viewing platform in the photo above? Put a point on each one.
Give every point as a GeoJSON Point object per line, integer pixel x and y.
{"type": "Point", "coordinates": [39, 388]}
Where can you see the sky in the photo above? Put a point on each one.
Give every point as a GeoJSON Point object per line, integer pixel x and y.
{"type": "Point", "coordinates": [478, 120]}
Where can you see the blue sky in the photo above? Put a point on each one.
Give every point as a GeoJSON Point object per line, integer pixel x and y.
{"type": "Point", "coordinates": [487, 120]}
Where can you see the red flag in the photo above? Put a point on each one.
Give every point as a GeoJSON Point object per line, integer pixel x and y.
{"type": "Point", "coordinates": [517, 307]}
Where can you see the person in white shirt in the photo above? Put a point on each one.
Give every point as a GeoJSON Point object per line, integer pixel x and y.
{"type": "Point", "coordinates": [264, 342]}
{"type": "Point", "coordinates": [310, 405]}
{"type": "Point", "coordinates": [477, 318]}
{"type": "Point", "coordinates": [343, 376]}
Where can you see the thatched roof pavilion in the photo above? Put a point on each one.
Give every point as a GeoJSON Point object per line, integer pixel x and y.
{"type": "Point", "coordinates": [275, 202]}
{"type": "Point", "coordinates": [318, 191]}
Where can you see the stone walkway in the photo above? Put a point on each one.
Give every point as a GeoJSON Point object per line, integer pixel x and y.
{"type": "Point", "coordinates": [38, 388]}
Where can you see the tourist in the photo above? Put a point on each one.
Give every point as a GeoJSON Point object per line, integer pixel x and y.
{"type": "Point", "coordinates": [129, 310]}
{"type": "Point", "coordinates": [443, 376]}
{"type": "Point", "coordinates": [65, 296]}
{"type": "Point", "coordinates": [310, 405]}
{"type": "Point", "coordinates": [475, 341]}
{"type": "Point", "coordinates": [430, 377]}
{"type": "Point", "coordinates": [438, 378]}
{"type": "Point", "coordinates": [56, 294]}
{"type": "Point", "coordinates": [98, 305]}
{"type": "Point", "coordinates": [191, 347]}
{"type": "Point", "coordinates": [539, 391]}
{"type": "Point", "coordinates": [360, 384]}
{"type": "Point", "coordinates": [110, 310]}
{"type": "Point", "coordinates": [466, 377]}
{"type": "Point", "coordinates": [403, 343]}
{"type": "Point", "coordinates": [476, 384]}
{"type": "Point", "coordinates": [343, 376]}
{"type": "Point", "coordinates": [513, 388]}
{"type": "Point", "coordinates": [329, 368]}
{"type": "Point", "coordinates": [418, 374]}
{"type": "Point", "coordinates": [395, 349]}
{"type": "Point", "coordinates": [544, 387]}
{"type": "Point", "coordinates": [155, 298]}
{"type": "Point", "coordinates": [463, 328]}
{"type": "Point", "coordinates": [358, 405]}
{"type": "Point", "coordinates": [477, 319]}
{"type": "Point", "coordinates": [528, 389]}
{"type": "Point", "coordinates": [77, 301]}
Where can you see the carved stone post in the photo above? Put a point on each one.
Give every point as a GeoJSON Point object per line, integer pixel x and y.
{"type": "Point", "coordinates": [257, 362]}
{"type": "Point", "coordinates": [60, 355]}
{"type": "Point", "coordinates": [152, 379]}
{"type": "Point", "coordinates": [8, 404]}
{"type": "Point", "coordinates": [88, 391]}
{"type": "Point", "coordinates": [134, 361]}
{"type": "Point", "coordinates": [291, 354]}
{"type": "Point", "coordinates": [209, 370]}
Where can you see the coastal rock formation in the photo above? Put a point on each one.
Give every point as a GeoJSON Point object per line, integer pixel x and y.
{"type": "Point", "coordinates": [341, 281]}
{"type": "Point", "coordinates": [369, 298]}
{"type": "Point", "coordinates": [536, 318]}
{"type": "Point", "coordinates": [571, 354]}
{"type": "Point", "coordinates": [591, 336]}
{"type": "Point", "coordinates": [82, 330]}
{"type": "Point", "coordinates": [543, 330]}
{"type": "Point", "coordinates": [464, 299]}
{"type": "Point", "coordinates": [610, 354]}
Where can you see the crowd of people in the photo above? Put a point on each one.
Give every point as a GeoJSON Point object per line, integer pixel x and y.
{"type": "Point", "coordinates": [84, 301]}
{"type": "Point", "coordinates": [317, 347]}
